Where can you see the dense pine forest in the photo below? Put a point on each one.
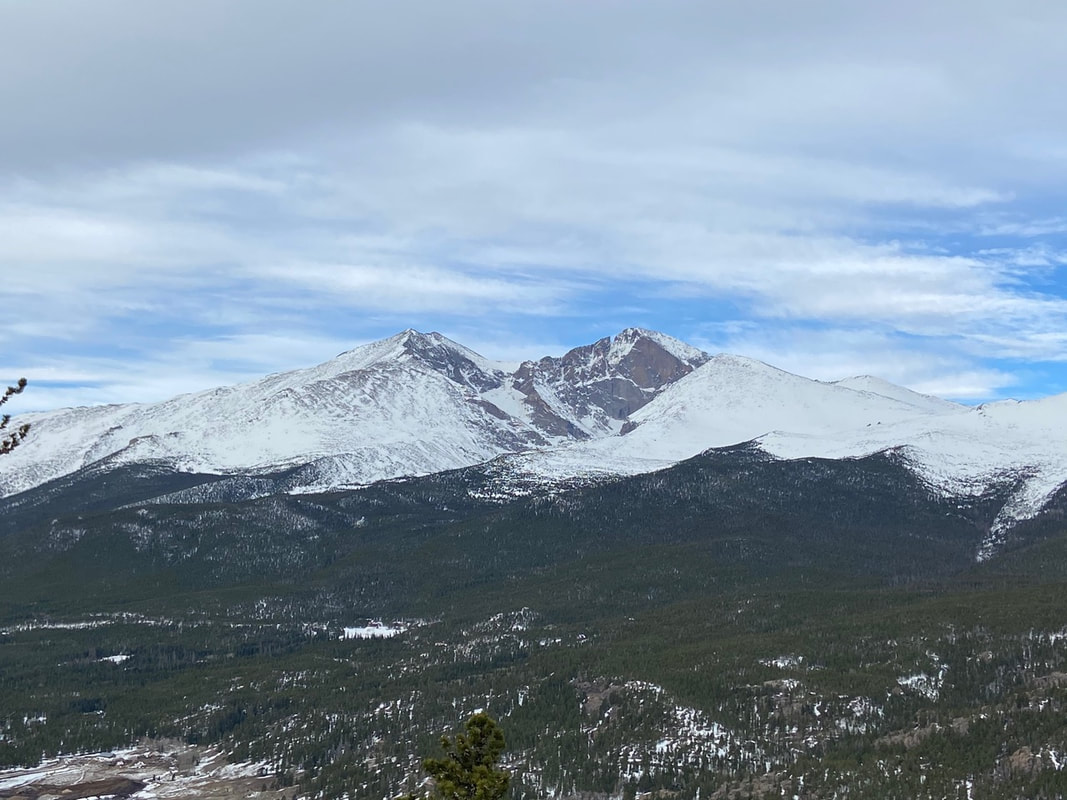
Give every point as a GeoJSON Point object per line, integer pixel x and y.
{"type": "Point", "coordinates": [734, 627]}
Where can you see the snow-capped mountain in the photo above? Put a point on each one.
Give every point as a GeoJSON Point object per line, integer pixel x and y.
{"type": "Point", "coordinates": [956, 449]}
{"type": "Point", "coordinates": [419, 403]}
{"type": "Point", "coordinates": [729, 400]}
{"type": "Point", "coordinates": [410, 404]}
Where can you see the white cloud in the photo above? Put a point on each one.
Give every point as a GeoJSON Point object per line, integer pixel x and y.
{"type": "Point", "coordinates": [417, 289]}
{"type": "Point", "coordinates": [219, 173]}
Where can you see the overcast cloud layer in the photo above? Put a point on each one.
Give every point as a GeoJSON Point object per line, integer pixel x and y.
{"type": "Point", "coordinates": [198, 192]}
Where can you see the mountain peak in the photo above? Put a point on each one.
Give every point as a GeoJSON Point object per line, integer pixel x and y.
{"type": "Point", "coordinates": [633, 334]}
{"type": "Point", "coordinates": [458, 363]}
{"type": "Point", "coordinates": [592, 390]}
{"type": "Point", "coordinates": [434, 349]}
{"type": "Point", "coordinates": [731, 361]}
{"type": "Point", "coordinates": [410, 340]}
{"type": "Point", "coordinates": [629, 337]}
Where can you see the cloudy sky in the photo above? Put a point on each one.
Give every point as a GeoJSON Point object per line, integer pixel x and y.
{"type": "Point", "coordinates": [196, 192]}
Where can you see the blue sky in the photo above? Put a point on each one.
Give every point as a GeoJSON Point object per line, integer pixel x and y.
{"type": "Point", "coordinates": [198, 193]}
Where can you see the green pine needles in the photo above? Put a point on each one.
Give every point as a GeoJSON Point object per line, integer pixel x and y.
{"type": "Point", "coordinates": [469, 768]}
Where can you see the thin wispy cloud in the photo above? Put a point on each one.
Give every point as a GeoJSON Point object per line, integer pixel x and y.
{"type": "Point", "coordinates": [185, 187]}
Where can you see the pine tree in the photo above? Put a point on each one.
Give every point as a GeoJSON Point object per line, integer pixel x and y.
{"type": "Point", "coordinates": [9, 440]}
{"type": "Point", "coordinates": [469, 768]}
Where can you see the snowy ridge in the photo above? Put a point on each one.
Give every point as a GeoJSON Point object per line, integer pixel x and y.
{"type": "Point", "coordinates": [411, 404]}
{"type": "Point", "coordinates": [955, 449]}
{"type": "Point", "coordinates": [965, 452]}
{"type": "Point", "coordinates": [641, 401]}
{"type": "Point", "coordinates": [873, 385]}
{"type": "Point", "coordinates": [382, 408]}
{"type": "Point", "coordinates": [727, 401]}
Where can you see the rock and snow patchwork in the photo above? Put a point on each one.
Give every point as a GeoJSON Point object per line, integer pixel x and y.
{"type": "Point", "coordinates": [688, 736]}
{"type": "Point", "coordinates": [641, 401]}
{"type": "Point", "coordinates": [955, 449]}
{"type": "Point", "coordinates": [784, 662]}
{"type": "Point", "coordinates": [926, 684]}
{"type": "Point", "coordinates": [846, 715]}
{"type": "Point", "coordinates": [730, 400]}
{"type": "Point", "coordinates": [411, 404]}
{"type": "Point", "coordinates": [929, 686]}
{"type": "Point", "coordinates": [152, 770]}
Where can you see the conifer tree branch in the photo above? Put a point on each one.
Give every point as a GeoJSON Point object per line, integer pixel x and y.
{"type": "Point", "coordinates": [10, 440]}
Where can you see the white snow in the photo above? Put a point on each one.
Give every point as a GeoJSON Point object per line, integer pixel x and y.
{"type": "Point", "coordinates": [784, 662]}
{"type": "Point", "coordinates": [873, 385]}
{"type": "Point", "coordinates": [374, 630]}
{"type": "Point", "coordinates": [371, 413]}
{"type": "Point", "coordinates": [411, 404]}
{"type": "Point", "coordinates": [418, 403]}
{"type": "Point", "coordinates": [179, 771]}
{"type": "Point", "coordinates": [688, 736]}
{"type": "Point", "coordinates": [730, 400]}
{"type": "Point", "coordinates": [929, 686]}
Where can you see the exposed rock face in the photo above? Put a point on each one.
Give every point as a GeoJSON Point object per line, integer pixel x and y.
{"type": "Point", "coordinates": [444, 356]}
{"type": "Point", "coordinates": [1023, 762]}
{"type": "Point", "coordinates": [592, 388]}
{"type": "Point", "coordinates": [1054, 680]}
{"type": "Point", "coordinates": [575, 396]}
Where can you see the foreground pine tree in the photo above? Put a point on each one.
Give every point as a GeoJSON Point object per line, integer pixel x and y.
{"type": "Point", "coordinates": [468, 770]}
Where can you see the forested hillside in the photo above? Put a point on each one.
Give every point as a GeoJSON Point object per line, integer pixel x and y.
{"type": "Point", "coordinates": [736, 626]}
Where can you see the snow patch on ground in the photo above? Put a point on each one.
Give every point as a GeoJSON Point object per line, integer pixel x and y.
{"type": "Point", "coordinates": [168, 770]}
{"type": "Point", "coordinates": [374, 630]}
{"type": "Point", "coordinates": [929, 686]}
{"type": "Point", "coordinates": [688, 736]}
{"type": "Point", "coordinates": [784, 662]}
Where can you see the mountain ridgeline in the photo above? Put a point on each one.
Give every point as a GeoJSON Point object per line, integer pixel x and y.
{"type": "Point", "coordinates": [411, 404]}
{"type": "Point", "coordinates": [667, 574]}
{"type": "Point", "coordinates": [418, 404]}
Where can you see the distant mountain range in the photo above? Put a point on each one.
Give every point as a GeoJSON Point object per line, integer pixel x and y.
{"type": "Point", "coordinates": [417, 404]}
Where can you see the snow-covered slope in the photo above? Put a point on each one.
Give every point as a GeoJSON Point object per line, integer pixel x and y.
{"type": "Point", "coordinates": [640, 401]}
{"type": "Point", "coordinates": [873, 385]}
{"type": "Point", "coordinates": [727, 401]}
{"type": "Point", "coordinates": [410, 404]}
{"type": "Point", "coordinates": [964, 452]}
{"type": "Point", "coordinates": [956, 449]}
{"type": "Point", "coordinates": [732, 399]}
